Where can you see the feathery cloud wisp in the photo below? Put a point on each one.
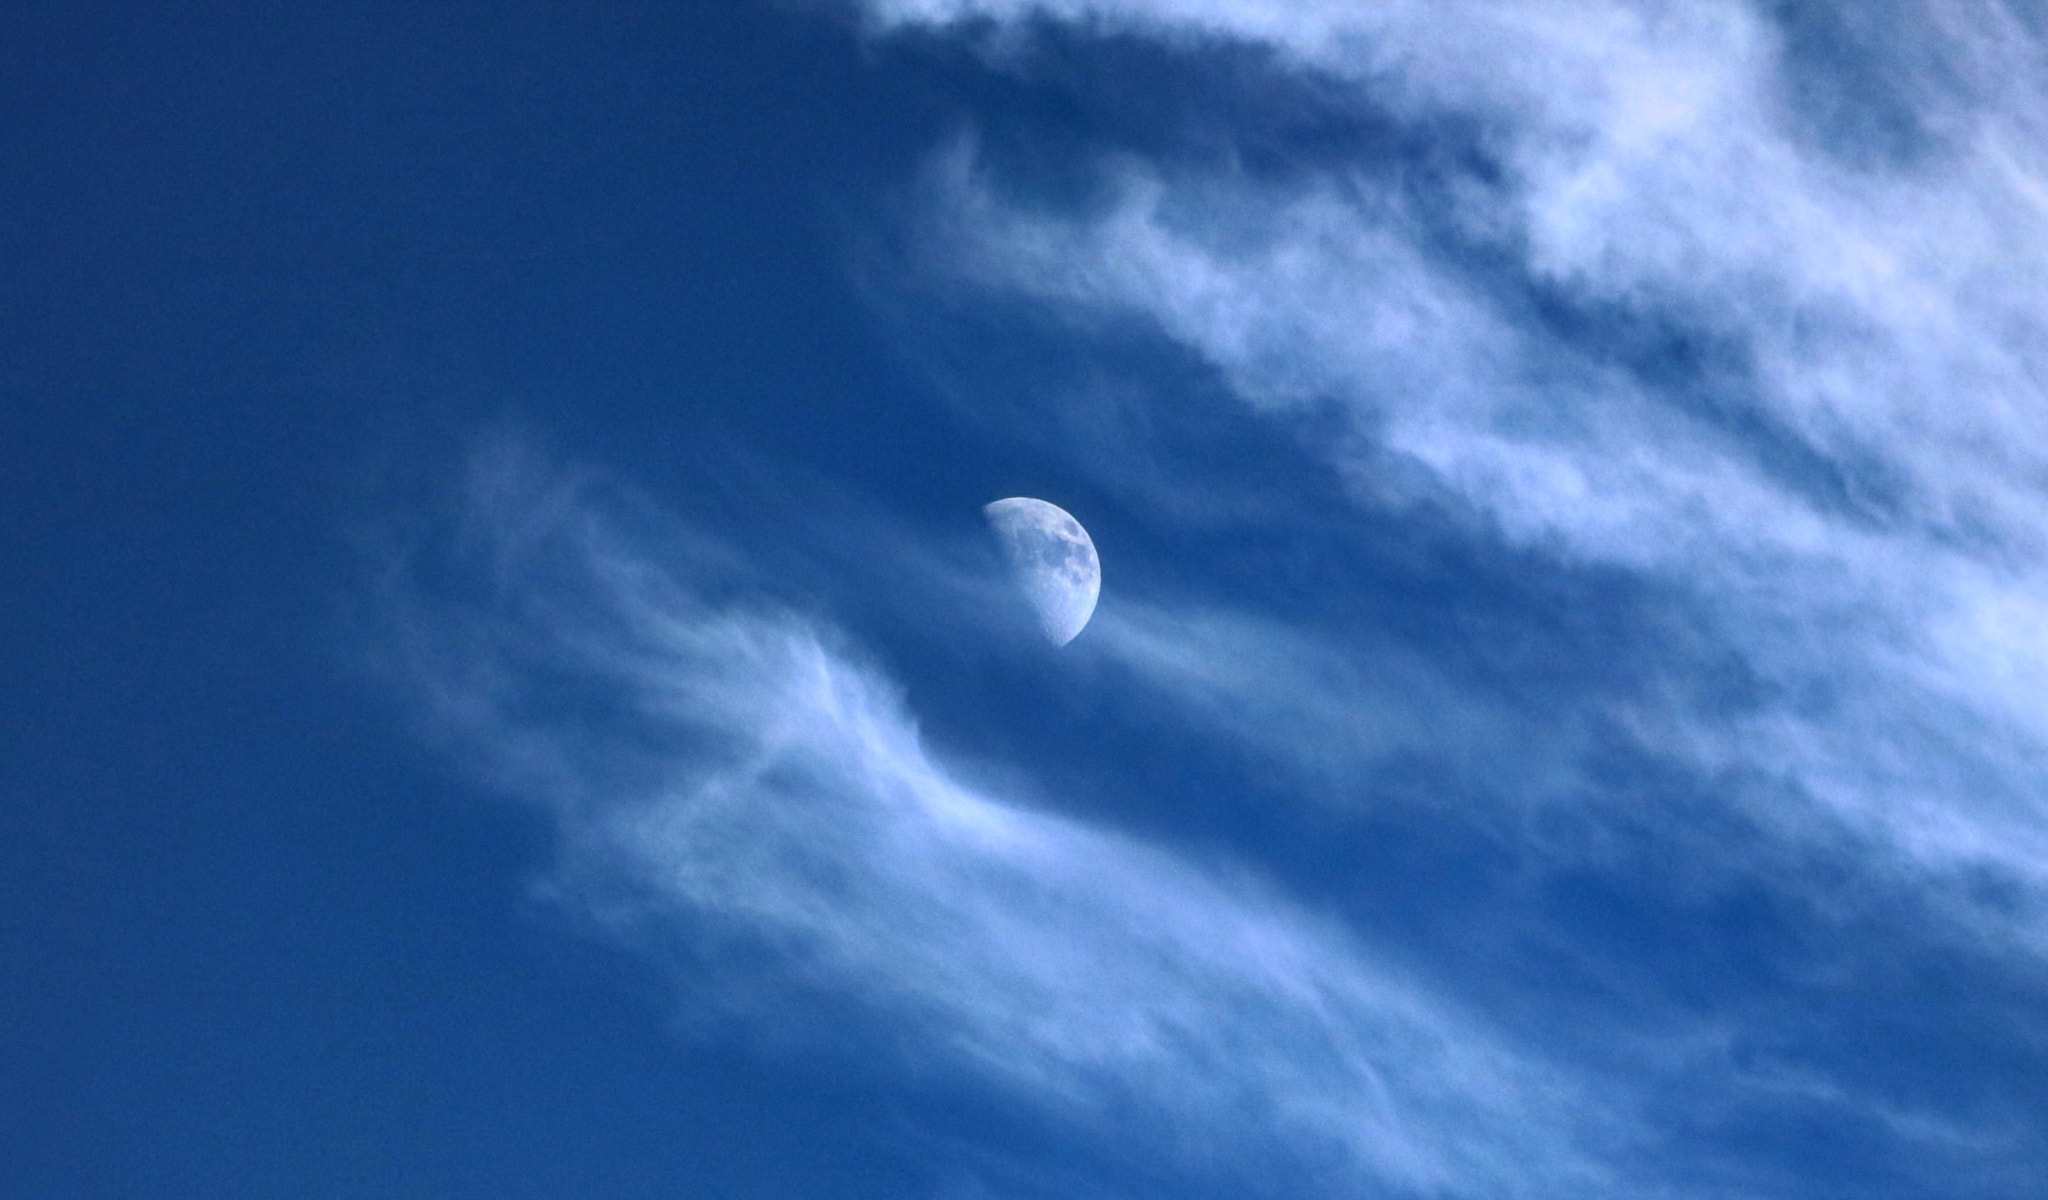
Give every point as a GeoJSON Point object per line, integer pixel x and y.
{"type": "Point", "coordinates": [1840, 452]}
{"type": "Point", "coordinates": [738, 790]}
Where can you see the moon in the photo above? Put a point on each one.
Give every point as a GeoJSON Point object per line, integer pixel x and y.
{"type": "Point", "coordinates": [1053, 560]}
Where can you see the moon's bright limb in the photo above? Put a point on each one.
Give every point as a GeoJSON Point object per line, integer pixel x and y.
{"type": "Point", "coordinates": [1054, 562]}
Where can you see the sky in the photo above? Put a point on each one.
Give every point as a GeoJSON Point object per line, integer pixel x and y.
{"type": "Point", "coordinates": [509, 692]}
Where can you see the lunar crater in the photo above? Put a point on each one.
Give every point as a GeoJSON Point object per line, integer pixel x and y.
{"type": "Point", "coordinates": [1053, 560]}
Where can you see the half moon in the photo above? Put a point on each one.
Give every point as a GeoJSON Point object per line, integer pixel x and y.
{"type": "Point", "coordinates": [1053, 561]}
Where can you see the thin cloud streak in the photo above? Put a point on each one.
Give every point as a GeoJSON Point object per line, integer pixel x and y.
{"type": "Point", "coordinates": [739, 792]}
{"type": "Point", "coordinates": [1335, 712]}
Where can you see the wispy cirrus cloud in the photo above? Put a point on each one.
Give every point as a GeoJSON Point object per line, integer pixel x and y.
{"type": "Point", "coordinates": [744, 797]}
{"type": "Point", "coordinates": [1667, 314]}
{"type": "Point", "coordinates": [1735, 308]}
{"type": "Point", "coordinates": [741, 793]}
{"type": "Point", "coordinates": [1673, 301]}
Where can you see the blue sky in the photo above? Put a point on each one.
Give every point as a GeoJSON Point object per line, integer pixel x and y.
{"type": "Point", "coordinates": [510, 694]}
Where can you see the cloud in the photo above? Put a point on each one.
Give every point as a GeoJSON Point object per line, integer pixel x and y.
{"type": "Point", "coordinates": [1729, 324]}
{"type": "Point", "coordinates": [1664, 316]}
{"type": "Point", "coordinates": [740, 793]}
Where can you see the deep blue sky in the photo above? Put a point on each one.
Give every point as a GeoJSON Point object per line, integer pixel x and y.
{"type": "Point", "coordinates": [507, 693]}
{"type": "Point", "coordinates": [260, 263]}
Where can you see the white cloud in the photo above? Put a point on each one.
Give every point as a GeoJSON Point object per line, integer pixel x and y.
{"type": "Point", "coordinates": [1857, 499]}
{"type": "Point", "coordinates": [737, 788]}
{"type": "Point", "coordinates": [1854, 510]}
{"type": "Point", "coordinates": [1337, 713]}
